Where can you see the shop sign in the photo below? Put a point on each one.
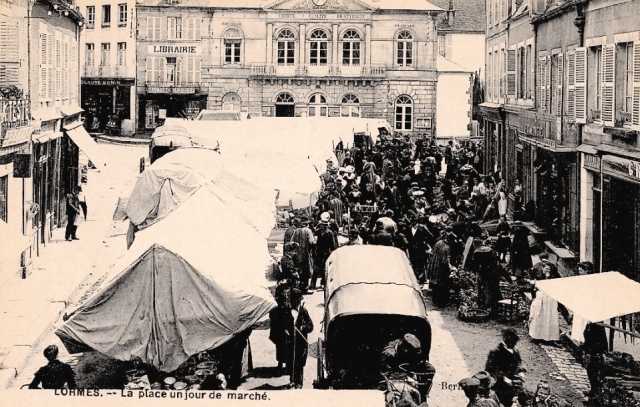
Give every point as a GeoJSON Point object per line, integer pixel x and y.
{"type": "Point", "coordinates": [14, 113]}
{"type": "Point", "coordinates": [162, 113]}
{"type": "Point", "coordinates": [634, 169]}
{"type": "Point", "coordinates": [108, 82]}
{"type": "Point", "coordinates": [179, 91]}
{"type": "Point", "coordinates": [324, 16]}
{"type": "Point", "coordinates": [592, 162]}
{"type": "Point", "coordinates": [160, 49]}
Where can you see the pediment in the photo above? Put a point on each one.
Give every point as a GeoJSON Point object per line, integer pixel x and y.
{"type": "Point", "coordinates": [319, 5]}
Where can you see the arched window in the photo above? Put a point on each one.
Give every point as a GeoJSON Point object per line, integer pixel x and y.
{"type": "Point", "coordinates": [350, 106]}
{"type": "Point", "coordinates": [231, 101]}
{"type": "Point", "coordinates": [284, 98]}
{"type": "Point", "coordinates": [351, 48]}
{"type": "Point", "coordinates": [317, 105]}
{"type": "Point", "coordinates": [232, 46]}
{"type": "Point", "coordinates": [404, 45]}
{"type": "Point", "coordinates": [318, 46]}
{"type": "Point", "coordinates": [404, 113]}
{"type": "Point", "coordinates": [286, 47]}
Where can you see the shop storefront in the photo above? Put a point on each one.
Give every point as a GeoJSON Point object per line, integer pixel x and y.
{"type": "Point", "coordinates": [154, 106]}
{"type": "Point", "coordinates": [621, 215]}
{"type": "Point", "coordinates": [107, 103]}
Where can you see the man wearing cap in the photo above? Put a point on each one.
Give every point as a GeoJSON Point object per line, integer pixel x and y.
{"type": "Point", "coordinates": [55, 374]}
{"type": "Point", "coordinates": [485, 388]}
{"type": "Point", "coordinates": [400, 351]}
{"type": "Point", "coordinates": [288, 234]}
{"type": "Point", "coordinates": [471, 386]}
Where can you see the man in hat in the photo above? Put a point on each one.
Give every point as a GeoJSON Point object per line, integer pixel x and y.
{"type": "Point", "coordinates": [300, 326]}
{"type": "Point", "coordinates": [288, 234]}
{"type": "Point", "coordinates": [418, 237]}
{"type": "Point", "coordinates": [354, 238]}
{"type": "Point", "coordinates": [303, 236]}
{"type": "Point", "coordinates": [471, 386]}
{"type": "Point", "coordinates": [55, 374]}
{"type": "Point", "coordinates": [485, 388]}
{"type": "Point", "coordinates": [289, 266]}
{"type": "Point", "coordinates": [504, 363]}
{"type": "Point", "coordinates": [326, 243]}
{"type": "Point", "coordinates": [400, 351]}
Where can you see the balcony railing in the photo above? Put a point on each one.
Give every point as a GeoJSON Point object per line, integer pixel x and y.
{"type": "Point", "coordinates": [309, 70]}
{"type": "Point", "coordinates": [172, 87]}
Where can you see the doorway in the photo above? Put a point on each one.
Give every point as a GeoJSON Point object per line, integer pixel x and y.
{"type": "Point", "coordinates": [285, 106]}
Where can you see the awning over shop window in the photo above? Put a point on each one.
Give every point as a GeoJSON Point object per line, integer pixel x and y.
{"type": "Point", "coordinates": [71, 110]}
{"type": "Point", "coordinates": [623, 168]}
{"type": "Point", "coordinates": [17, 136]}
{"type": "Point", "coordinates": [587, 149]}
{"type": "Point", "coordinates": [46, 114]}
{"type": "Point", "coordinates": [44, 137]}
{"type": "Point", "coordinates": [84, 141]}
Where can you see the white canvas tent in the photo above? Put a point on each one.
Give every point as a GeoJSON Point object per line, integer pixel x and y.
{"type": "Point", "coordinates": [293, 176]}
{"type": "Point", "coordinates": [187, 284]}
{"type": "Point", "coordinates": [594, 297]}
{"type": "Point", "coordinates": [173, 178]}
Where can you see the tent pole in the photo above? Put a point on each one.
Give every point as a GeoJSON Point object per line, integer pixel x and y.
{"type": "Point", "coordinates": [611, 331]}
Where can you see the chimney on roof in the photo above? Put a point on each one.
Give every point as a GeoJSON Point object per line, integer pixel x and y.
{"type": "Point", "coordinates": [451, 12]}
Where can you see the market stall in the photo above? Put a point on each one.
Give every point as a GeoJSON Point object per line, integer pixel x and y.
{"type": "Point", "coordinates": [173, 178]}
{"type": "Point", "coordinates": [174, 294]}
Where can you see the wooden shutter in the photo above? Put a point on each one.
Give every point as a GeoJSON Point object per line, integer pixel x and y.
{"type": "Point", "coordinates": [44, 77]}
{"type": "Point", "coordinates": [559, 84]}
{"type": "Point", "coordinates": [196, 69]}
{"type": "Point", "coordinates": [542, 83]}
{"type": "Point", "coordinates": [571, 81]}
{"type": "Point", "coordinates": [547, 85]}
{"type": "Point", "coordinates": [189, 29]}
{"type": "Point", "coordinates": [608, 84]}
{"type": "Point", "coordinates": [635, 110]}
{"type": "Point", "coordinates": [9, 53]}
{"type": "Point", "coordinates": [511, 72]}
{"type": "Point", "coordinates": [179, 70]}
{"type": "Point", "coordinates": [162, 68]}
{"type": "Point", "coordinates": [580, 86]}
{"type": "Point", "coordinates": [171, 28]}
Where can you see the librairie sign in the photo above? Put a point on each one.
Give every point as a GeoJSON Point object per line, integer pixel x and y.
{"type": "Point", "coordinates": [174, 49]}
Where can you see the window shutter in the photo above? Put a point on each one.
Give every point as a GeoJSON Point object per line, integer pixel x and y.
{"type": "Point", "coordinates": [178, 76]}
{"type": "Point", "coordinates": [198, 29]}
{"type": "Point", "coordinates": [188, 28]}
{"type": "Point", "coordinates": [608, 84]}
{"type": "Point", "coordinates": [9, 53]}
{"type": "Point", "coordinates": [559, 85]}
{"type": "Point", "coordinates": [196, 70]}
{"type": "Point", "coordinates": [171, 27]}
{"type": "Point", "coordinates": [542, 83]}
{"type": "Point", "coordinates": [511, 72]}
{"type": "Point", "coordinates": [44, 80]}
{"type": "Point", "coordinates": [580, 86]}
{"type": "Point", "coordinates": [635, 110]}
{"type": "Point", "coordinates": [571, 81]}
{"type": "Point", "coordinates": [162, 68]}
{"type": "Point", "coordinates": [150, 28]}
{"type": "Point", "coordinates": [148, 74]}
{"type": "Point", "coordinates": [547, 84]}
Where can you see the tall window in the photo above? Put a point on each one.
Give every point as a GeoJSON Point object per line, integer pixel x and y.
{"type": "Point", "coordinates": [122, 53]}
{"type": "Point", "coordinates": [286, 48]}
{"type": "Point", "coordinates": [231, 101]}
{"type": "Point", "coordinates": [122, 15]}
{"type": "Point", "coordinates": [104, 54]}
{"type": "Point", "coordinates": [625, 52]}
{"type": "Point", "coordinates": [350, 106]}
{"type": "Point", "coordinates": [153, 28]}
{"type": "Point", "coordinates": [351, 48]}
{"type": "Point", "coordinates": [106, 15]}
{"type": "Point", "coordinates": [91, 16]}
{"type": "Point", "coordinates": [404, 113]}
{"type": "Point", "coordinates": [318, 46]}
{"type": "Point", "coordinates": [89, 55]}
{"type": "Point", "coordinates": [317, 105]}
{"type": "Point", "coordinates": [232, 46]}
{"type": "Point", "coordinates": [522, 73]}
{"type": "Point", "coordinates": [404, 49]}
{"type": "Point", "coordinates": [595, 82]}
{"type": "Point", "coordinates": [530, 72]}
{"type": "Point", "coordinates": [174, 28]}
{"type": "Point", "coordinates": [171, 70]}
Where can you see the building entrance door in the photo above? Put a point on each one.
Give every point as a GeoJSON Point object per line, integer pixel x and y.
{"type": "Point", "coordinates": [285, 105]}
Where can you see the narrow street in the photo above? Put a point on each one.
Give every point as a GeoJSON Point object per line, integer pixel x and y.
{"type": "Point", "coordinates": [459, 349]}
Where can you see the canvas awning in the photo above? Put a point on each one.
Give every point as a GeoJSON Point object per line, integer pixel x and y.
{"type": "Point", "coordinates": [595, 297]}
{"type": "Point", "coordinates": [85, 143]}
{"type": "Point", "coordinates": [17, 136]}
{"type": "Point", "coordinates": [71, 110]}
{"type": "Point", "coordinates": [46, 114]}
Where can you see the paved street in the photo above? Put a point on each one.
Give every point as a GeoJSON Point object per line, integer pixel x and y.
{"type": "Point", "coordinates": [68, 272]}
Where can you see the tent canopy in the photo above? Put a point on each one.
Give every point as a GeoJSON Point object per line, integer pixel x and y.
{"type": "Point", "coordinates": [595, 297]}
{"type": "Point", "coordinates": [172, 294]}
{"type": "Point", "coordinates": [173, 178]}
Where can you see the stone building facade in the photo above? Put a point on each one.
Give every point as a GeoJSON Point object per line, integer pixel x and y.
{"type": "Point", "coordinates": [325, 58]}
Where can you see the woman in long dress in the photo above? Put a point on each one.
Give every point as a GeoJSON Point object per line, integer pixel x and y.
{"type": "Point", "coordinates": [543, 318]}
